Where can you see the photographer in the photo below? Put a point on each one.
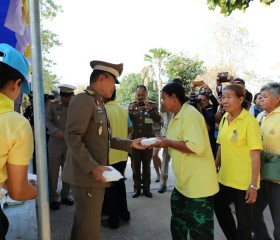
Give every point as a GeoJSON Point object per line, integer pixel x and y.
{"type": "Point", "coordinates": [202, 103]}
{"type": "Point", "coordinates": [222, 77]}
{"type": "Point", "coordinates": [143, 114]}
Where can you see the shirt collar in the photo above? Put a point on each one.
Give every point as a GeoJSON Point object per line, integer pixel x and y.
{"type": "Point", "coordinates": [111, 102]}
{"type": "Point", "coordinates": [97, 94]}
{"type": "Point", "coordinates": [183, 107]}
{"type": "Point", "coordinates": [6, 104]}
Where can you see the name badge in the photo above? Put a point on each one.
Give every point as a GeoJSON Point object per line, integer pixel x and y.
{"type": "Point", "coordinates": [148, 120]}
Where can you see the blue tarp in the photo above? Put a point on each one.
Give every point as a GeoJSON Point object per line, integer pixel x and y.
{"type": "Point", "coordinates": [6, 35]}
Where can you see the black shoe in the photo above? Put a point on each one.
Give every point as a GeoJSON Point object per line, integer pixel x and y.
{"type": "Point", "coordinates": [148, 194]}
{"type": "Point", "coordinates": [67, 201]}
{"type": "Point", "coordinates": [106, 223]}
{"type": "Point", "coordinates": [55, 205]}
{"type": "Point", "coordinates": [125, 216]}
{"type": "Point", "coordinates": [162, 190]}
{"type": "Point", "coordinates": [136, 194]}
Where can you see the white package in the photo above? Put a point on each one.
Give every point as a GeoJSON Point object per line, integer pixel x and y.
{"type": "Point", "coordinates": [113, 175]}
{"type": "Point", "coordinates": [149, 141]}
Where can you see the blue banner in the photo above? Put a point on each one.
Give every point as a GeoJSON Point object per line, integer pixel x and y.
{"type": "Point", "coordinates": [6, 35]}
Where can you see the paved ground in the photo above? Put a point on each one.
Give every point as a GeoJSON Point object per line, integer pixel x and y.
{"type": "Point", "coordinates": [150, 218]}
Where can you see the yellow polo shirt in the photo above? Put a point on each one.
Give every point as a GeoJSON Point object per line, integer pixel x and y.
{"type": "Point", "coordinates": [118, 117]}
{"type": "Point", "coordinates": [237, 140]}
{"type": "Point", "coordinates": [16, 138]}
{"type": "Point", "coordinates": [195, 173]}
{"type": "Point", "coordinates": [270, 131]}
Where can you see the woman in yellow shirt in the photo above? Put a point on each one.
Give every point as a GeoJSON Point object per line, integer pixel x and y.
{"type": "Point", "coordinates": [16, 139]}
{"type": "Point", "coordinates": [238, 160]}
{"type": "Point", "coordinates": [193, 166]}
{"type": "Point", "coordinates": [269, 193]}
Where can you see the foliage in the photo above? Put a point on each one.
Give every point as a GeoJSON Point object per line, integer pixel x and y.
{"type": "Point", "coordinates": [154, 72]}
{"type": "Point", "coordinates": [180, 66]}
{"type": "Point", "coordinates": [49, 10]}
{"type": "Point", "coordinates": [157, 58]}
{"type": "Point", "coordinates": [227, 6]}
{"type": "Point", "coordinates": [126, 90]}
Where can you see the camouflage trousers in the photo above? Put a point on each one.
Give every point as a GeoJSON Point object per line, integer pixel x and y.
{"type": "Point", "coordinates": [193, 216]}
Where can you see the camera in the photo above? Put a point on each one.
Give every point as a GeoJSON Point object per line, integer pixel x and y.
{"type": "Point", "coordinates": [194, 101]}
{"type": "Point", "coordinates": [141, 104]}
{"type": "Point", "coordinates": [222, 77]}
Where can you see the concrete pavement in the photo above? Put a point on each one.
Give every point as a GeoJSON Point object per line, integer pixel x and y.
{"type": "Point", "coordinates": [150, 217]}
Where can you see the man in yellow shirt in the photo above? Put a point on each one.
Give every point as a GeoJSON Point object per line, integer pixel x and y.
{"type": "Point", "coordinates": [16, 139]}
{"type": "Point", "coordinates": [115, 196]}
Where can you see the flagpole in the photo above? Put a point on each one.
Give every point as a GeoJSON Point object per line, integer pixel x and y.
{"type": "Point", "coordinates": [43, 218]}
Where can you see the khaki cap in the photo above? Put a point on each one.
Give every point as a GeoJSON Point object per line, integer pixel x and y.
{"type": "Point", "coordinates": [114, 69]}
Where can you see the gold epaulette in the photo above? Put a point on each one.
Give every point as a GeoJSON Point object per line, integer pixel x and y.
{"type": "Point", "coordinates": [89, 92]}
{"type": "Point", "coordinates": [151, 101]}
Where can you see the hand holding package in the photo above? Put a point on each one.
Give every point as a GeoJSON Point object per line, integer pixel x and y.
{"type": "Point", "coordinates": [112, 175]}
{"type": "Point", "coordinates": [149, 141]}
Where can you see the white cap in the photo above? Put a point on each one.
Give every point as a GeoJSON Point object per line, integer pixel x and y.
{"type": "Point", "coordinates": [67, 88]}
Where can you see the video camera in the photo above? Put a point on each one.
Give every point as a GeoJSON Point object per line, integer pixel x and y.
{"type": "Point", "coordinates": [141, 103]}
{"type": "Point", "coordinates": [194, 101]}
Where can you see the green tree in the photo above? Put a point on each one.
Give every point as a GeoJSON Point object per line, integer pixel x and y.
{"type": "Point", "coordinates": [49, 11]}
{"type": "Point", "coordinates": [157, 58]}
{"type": "Point", "coordinates": [227, 6]}
{"type": "Point", "coordinates": [180, 66]}
{"type": "Point", "coordinates": [231, 48]}
{"type": "Point", "coordinates": [126, 90]}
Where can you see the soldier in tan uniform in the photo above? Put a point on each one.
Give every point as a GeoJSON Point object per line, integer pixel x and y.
{"type": "Point", "coordinates": [88, 138]}
{"type": "Point", "coordinates": [56, 115]}
{"type": "Point", "coordinates": [143, 113]}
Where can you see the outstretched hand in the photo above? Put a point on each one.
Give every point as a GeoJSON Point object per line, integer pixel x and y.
{"type": "Point", "coordinates": [163, 143]}
{"type": "Point", "coordinates": [136, 143]}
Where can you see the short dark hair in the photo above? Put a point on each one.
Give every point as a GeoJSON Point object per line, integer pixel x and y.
{"type": "Point", "coordinates": [202, 93]}
{"type": "Point", "coordinates": [177, 89]}
{"type": "Point", "coordinates": [96, 74]}
{"type": "Point", "coordinates": [239, 80]}
{"type": "Point", "coordinates": [255, 97]}
{"type": "Point", "coordinates": [141, 86]}
{"type": "Point", "coordinates": [8, 74]}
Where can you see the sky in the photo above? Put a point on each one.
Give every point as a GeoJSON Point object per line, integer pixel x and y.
{"type": "Point", "coordinates": [123, 31]}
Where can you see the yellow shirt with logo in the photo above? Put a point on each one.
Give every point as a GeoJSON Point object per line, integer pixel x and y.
{"type": "Point", "coordinates": [118, 117]}
{"type": "Point", "coordinates": [16, 138]}
{"type": "Point", "coordinates": [270, 131]}
{"type": "Point", "coordinates": [236, 140]}
{"type": "Point", "coordinates": [195, 173]}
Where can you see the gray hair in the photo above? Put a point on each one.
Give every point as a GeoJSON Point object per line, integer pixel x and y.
{"type": "Point", "coordinates": [273, 87]}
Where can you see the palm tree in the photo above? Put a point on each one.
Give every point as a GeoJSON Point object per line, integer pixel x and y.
{"type": "Point", "coordinates": [157, 58]}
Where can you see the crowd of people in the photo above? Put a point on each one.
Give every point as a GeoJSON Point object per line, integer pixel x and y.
{"type": "Point", "coordinates": [225, 151]}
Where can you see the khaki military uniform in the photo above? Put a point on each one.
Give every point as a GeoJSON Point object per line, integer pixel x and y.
{"type": "Point", "coordinates": [142, 123]}
{"type": "Point", "coordinates": [88, 138]}
{"type": "Point", "coordinates": [56, 115]}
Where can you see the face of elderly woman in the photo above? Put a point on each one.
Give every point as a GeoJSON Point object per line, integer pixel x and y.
{"type": "Point", "coordinates": [268, 101]}
{"type": "Point", "coordinates": [231, 102]}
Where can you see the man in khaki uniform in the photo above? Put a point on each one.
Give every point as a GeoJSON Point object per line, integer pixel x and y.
{"type": "Point", "coordinates": [56, 115]}
{"type": "Point", "coordinates": [88, 138]}
{"type": "Point", "coordinates": [143, 113]}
